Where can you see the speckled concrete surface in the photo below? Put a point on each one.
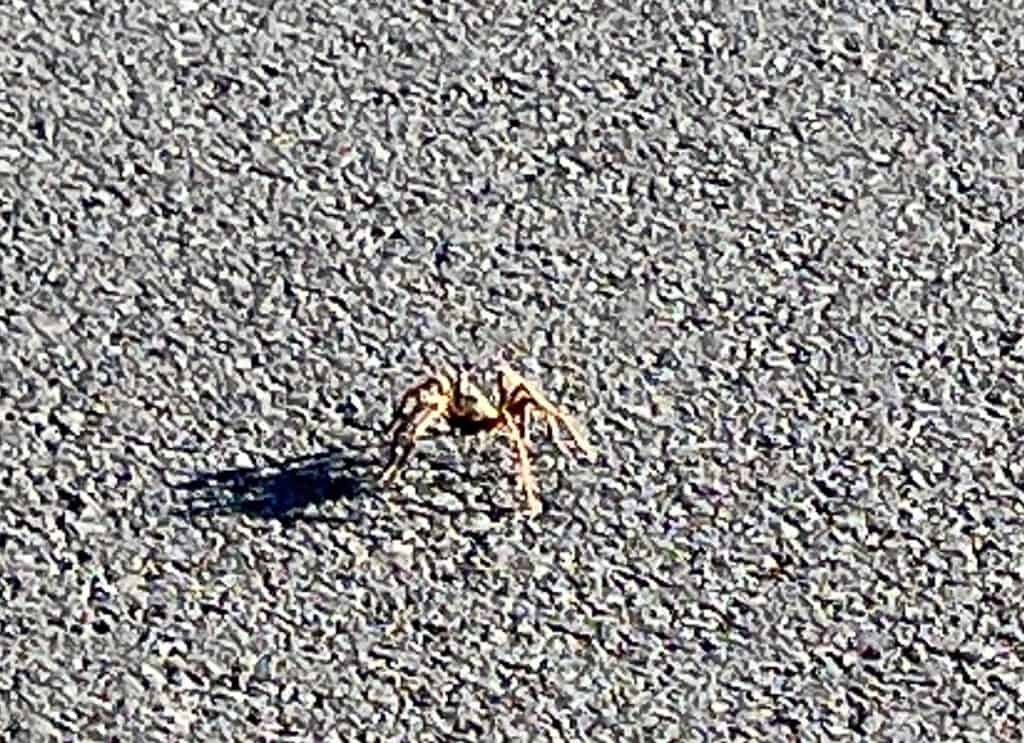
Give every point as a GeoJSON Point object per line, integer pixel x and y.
{"type": "Point", "coordinates": [769, 254]}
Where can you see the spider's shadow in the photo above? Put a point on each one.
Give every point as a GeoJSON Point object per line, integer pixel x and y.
{"type": "Point", "coordinates": [281, 490]}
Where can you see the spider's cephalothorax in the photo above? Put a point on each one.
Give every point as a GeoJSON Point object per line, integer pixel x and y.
{"type": "Point", "coordinates": [468, 411]}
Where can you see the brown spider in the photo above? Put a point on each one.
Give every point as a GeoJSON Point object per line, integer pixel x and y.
{"type": "Point", "coordinates": [468, 411]}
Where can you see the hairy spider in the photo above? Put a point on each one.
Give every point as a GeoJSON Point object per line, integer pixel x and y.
{"type": "Point", "coordinates": [454, 398]}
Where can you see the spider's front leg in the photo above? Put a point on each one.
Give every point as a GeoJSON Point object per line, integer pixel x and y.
{"type": "Point", "coordinates": [518, 394]}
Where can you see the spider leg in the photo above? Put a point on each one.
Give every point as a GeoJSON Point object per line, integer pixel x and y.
{"type": "Point", "coordinates": [526, 481]}
{"type": "Point", "coordinates": [575, 431]}
{"type": "Point", "coordinates": [514, 387]}
{"type": "Point", "coordinates": [438, 379]}
{"type": "Point", "coordinates": [404, 441]}
{"type": "Point", "coordinates": [524, 425]}
{"type": "Point", "coordinates": [520, 410]}
{"type": "Point", "coordinates": [553, 434]}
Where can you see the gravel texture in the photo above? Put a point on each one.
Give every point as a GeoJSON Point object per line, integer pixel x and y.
{"type": "Point", "coordinates": [768, 253]}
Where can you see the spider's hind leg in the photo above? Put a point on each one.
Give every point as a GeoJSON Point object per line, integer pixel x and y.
{"type": "Point", "coordinates": [404, 440]}
{"type": "Point", "coordinates": [441, 380]}
{"type": "Point", "coordinates": [526, 482]}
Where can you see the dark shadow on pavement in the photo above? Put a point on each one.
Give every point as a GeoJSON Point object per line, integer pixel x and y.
{"type": "Point", "coordinates": [282, 490]}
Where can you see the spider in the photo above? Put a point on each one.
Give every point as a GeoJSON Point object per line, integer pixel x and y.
{"type": "Point", "coordinates": [468, 411]}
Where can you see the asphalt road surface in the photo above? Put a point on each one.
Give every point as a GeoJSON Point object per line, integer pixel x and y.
{"type": "Point", "coordinates": [768, 254]}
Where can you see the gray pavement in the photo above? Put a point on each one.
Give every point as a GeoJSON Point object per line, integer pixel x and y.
{"type": "Point", "coordinates": [769, 254]}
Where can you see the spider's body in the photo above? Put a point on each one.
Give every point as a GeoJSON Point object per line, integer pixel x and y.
{"type": "Point", "coordinates": [468, 411]}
